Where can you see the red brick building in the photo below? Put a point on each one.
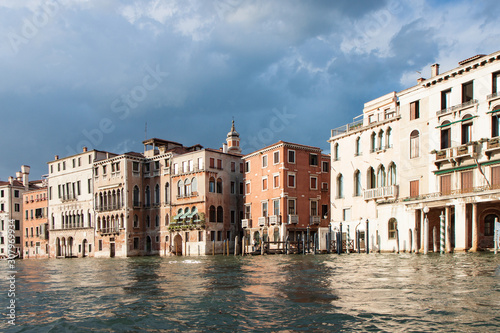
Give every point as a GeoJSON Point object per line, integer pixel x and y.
{"type": "Point", "coordinates": [286, 193]}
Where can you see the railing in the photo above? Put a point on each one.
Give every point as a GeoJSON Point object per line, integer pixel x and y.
{"type": "Point", "coordinates": [456, 107]}
{"type": "Point", "coordinates": [493, 143]}
{"type": "Point", "coordinates": [274, 219]}
{"type": "Point", "coordinates": [381, 192]}
{"type": "Point", "coordinates": [114, 230]}
{"type": "Point", "coordinates": [245, 223]}
{"type": "Point", "coordinates": [105, 208]}
{"type": "Point", "coordinates": [467, 149]}
{"type": "Point", "coordinates": [496, 94]}
{"type": "Point", "coordinates": [68, 197]}
{"type": "Point", "coordinates": [137, 203]}
{"type": "Point", "coordinates": [293, 219]}
{"type": "Point", "coordinates": [315, 219]}
{"type": "Point", "coordinates": [348, 127]}
{"type": "Point", "coordinates": [262, 221]}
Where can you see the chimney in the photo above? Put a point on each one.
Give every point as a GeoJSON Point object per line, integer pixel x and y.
{"type": "Point", "coordinates": [11, 180]}
{"type": "Point", "coordinates": [420, 80]}
{"type": "Point", "coordinates": [84, 149]}
{"type": "Point", "coordinates": [434, 70]}
{"type": "Point", "coordinates": [224, 147]}
{"type": "Point", "coordinates": [19, 176]}
{"type": "Point", "coordinates": [56, 157]}
{"type": "Point", "coordinates": [25, 170]}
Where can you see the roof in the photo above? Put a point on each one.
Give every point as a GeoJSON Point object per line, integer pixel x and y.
{"type": "Point", "coordinates": [284, 143]}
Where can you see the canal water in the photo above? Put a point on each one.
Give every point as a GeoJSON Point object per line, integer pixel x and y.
{"type": "Point", "coordinates": [275, 293]}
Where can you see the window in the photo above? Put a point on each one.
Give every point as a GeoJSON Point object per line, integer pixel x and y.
{"type": "Point", "coordinates": [291, 156]}
{"type": "Point", "coordinates": [336, 152]}
{"type": "Point", "coordinates": [264, 208]}
{"type": "Point", "coordinates": [157, 194]}
{"type": "Point", "coordinates": [200, 163]}
{"type": "Point", "coordinates": [324, 211]}
{"type": "Point", "coordinates": [314, 208]}
{"type": "Point", "coordinates": [467, 92]}
{"type": "Point", "coordinates": [325, 166]}
{"type": "Point", "coordinates": [357, 148]}
{"type": "Point", "coordinates": [219, 164]}
{"type": "Point", "coordinates": [371, 181]}
{"type": "Point", "coordinates": [389, 138]}
{"type": "Point", "coordinates": [445, 135]}
{"type": "Point", "coordinates": [247, 188]}
{"type": "Point", "coordinates": [233, 166]}
{"type": "Point", "coordinates": [381, 140]}
{"type": "Point", "coordinates": [466, 129]}
{"type": "Point", "coordinates": [373, 142]}
{"type": "Point", "coordinates": [220, 214]}
{"type": "Point", "coordinates": [313, 183]}
{"type": "Point", "coordinates": [211, 185]}
{"type": "Point", "coordinates": [291, 180]}
{"type": "Point", "coordinates": [16, 193]}
{"type": "Point", "coordinates": [276, 181]}
{"type": "Point", "coordinates": [357, 183]}
{"type": "Point", "coordinates": [445, 99]}
{"type": "Point", "coordinates": [247, 166]}
{"type": "Point", "coordinates": [264, 161]}
{"type": "Point", "coordinates": [147, 197]}
{"type": "Point", "coordinates": [135, 167]}
{"type": "Point", "coordinates": [392, 173]}
{"type": "Point", "coordinates": [381, 176]}
{"type": "Point", "coordinates": [346, 214]}
{"type": "Point", "coordinates": [414, 110]}
{"type": "Point", "coordinates": [103, 169]}
{"type": "Point", "coordinates": [340, 186]}
{"type": "Point", "coordinates": [167, 193]}
{"type": "Point", "coordinates": [466, 181]}
{"type": "Point", "coordinates": [414, 188]}
{"type": "Point", "coordinates": [187, 187]}
{"type": "Point", "coordinates": [136, 196]}
{"type": "Point", "coordinates": [414, 144]}
{"type": "Point", "coordinates": [17, 207]}
{"type": "Point", "coordinates": [176, 168]}
{"type": "Point", "coordinates": [219, 185]}
{"type": "Point", "coordinates": [276, 157]}
{"type": "Point", "coordinates": [241, 168]}
{"type": "Point", "coordinates": [489, 224]}
{"type": "Point", "coordinates": [100, 245]}
{"type": "Point", "coordinates": [212, 162]}
{"type": "Point", "coordinates": [495, 84]}
{"type": "Point", "coordinates": [233, 187]}
{"type": "Point", "coordinates": [157, 221]}
{"type": "Point", "coordinates": [242, 188]}
{"type": "Point", "coordinates": [445, 184]}
{"type": "Point", "coordinates": [392, 228]}
{"type": "Point", "coordinates": [16, 225]}
{"type": "Point", "coordinates": [313, 159]}
{"type": "Point", "coordinates": [136, 243]}
{"type": "Point", "coordinates": [495, 124]}
{"type": "Point", "coordinates": [495, 177]}
{"type": "Point", "coordinates": [291, 207]}
{"type": "Point", "coordinates": [248, 212]}
{"type": "Point", "coordinates": [276, 207]}
{"type": "Point", "coordinates": [264, 183]}
{"type": "Point", "coordinates": [211, 214]}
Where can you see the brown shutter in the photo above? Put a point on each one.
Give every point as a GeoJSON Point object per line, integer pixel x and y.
{"type": "Point", "coordinates": [414, 190]}
{"type": "Point", "coordinates": [446, 185]}
{"type": "Point", "coordinates": [466, 181]}
{"type": "Point", "coordinates": [495, 177]}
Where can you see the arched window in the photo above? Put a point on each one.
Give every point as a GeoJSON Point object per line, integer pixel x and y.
{"type": "Point", "coordinates": [381, 139]}
{"type": "Point", "coordinates": [373, 142]}
{"type": "Point", "coordinates": [147, 197]}
{"type": "Point", "coordinates": [157, 221]}
{"type": "Point", "coordinates": [219, 185]}
{"type": "Point", "coordinates": [392, 180]}
{"type": "Point", "coordinates": [211, 214]}
{"type": "Point", "coordinates": [148, 222]}
{"type": "Point", "coordinates": [357, 183]}
{"type": "Point", "coordinates": [381, 176]}
{"type": "Point", "coordinates": [489, 224]}
{"type": "Point", "coordinates": [187, 187]}
{"type": "Point", "coordinates": [136, 196]}
{"type": "Point", "coordinates": [466, 129]}
{"type": "Point", "coordinates": [157, 194]}
{"type": "Point", "coordinates": [180, 187]}
{"type": "Point", "coordinates": [220, 214]}
{"type": "Point", "coordinates": [276, 234]}
{"type": "Point", "coordinates": [340, 186]}
{"type": "Point", "coordinates": [370, 178]}
{"type": "Point", "coordinates": [388, 136]}
{"type": "Point", "coordinates": [495, 123]}
{"type": "Point", "coordinates": [392, 227]}
{"type": "Point", "coordinates": [194, 185]}
{"type": "Point", "coordinates": [136, 221]}
{"type": "Point", "coordinates": [211, 185]}
{"type": "Point", "coordinates": [357, 148]}
{"type": "Point", "coordinates": [414, 144]}
{"type": "Point", "coordinates": [336, 152]}
{"type": "Point", "coordinates": [445, 134]}
{"type": "Point", "coordinates": [167, 193]}
{"type": "Point", "coordinates": [167, 220]}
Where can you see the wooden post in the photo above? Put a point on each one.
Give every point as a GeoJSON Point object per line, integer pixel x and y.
{"type": "Point", "coordinates": [227, 249]}
{"type": "Point", "coordinates": [236, 245]}
{"type": "Point", "coordinates": [213, 247]}
{"type": "Point", "coordinates": [434, 240]}
{"type": "Point", "coordinates": [397, 239]}
{"type": "Point", "coordinates": [410, 240]}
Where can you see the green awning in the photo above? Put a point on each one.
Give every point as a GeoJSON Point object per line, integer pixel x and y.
{"type": "Point", "coordinates": [440, 172]}
{"type": "Point", "coordinates": [190, 215]}
{"type": "Point", "coordinates": [493, 111]}
{"type": "Point", "coordinates": [456, 121]}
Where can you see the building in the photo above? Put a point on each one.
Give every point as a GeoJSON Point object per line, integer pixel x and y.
{"type": "Point", "coordinates": [11, 209]}
{"type": "Point", "coordinates": [171, 199]}
{"type": "Point", "coordinates": [71, 204]}
{"type": "Point", "coordinates": [35, 223]}
{"type": "Point", "coordinates": [422, 156]}
{"type": "Point", "coordinates": [286, 194]}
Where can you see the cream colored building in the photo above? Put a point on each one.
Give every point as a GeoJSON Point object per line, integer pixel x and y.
{"type": "Point", "coordinates": [431, 148]}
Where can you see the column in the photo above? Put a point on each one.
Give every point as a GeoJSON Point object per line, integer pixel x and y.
{"type": "Point", "coordinates": [475, 235]}
{"type": "Point", "coordinates": [461, 231]}
{"type": "Point", "coordinates": [422, 230]}
{"type": "Point", "coordinates": [448, 229]}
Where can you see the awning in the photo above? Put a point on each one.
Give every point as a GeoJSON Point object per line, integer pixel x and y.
{"type": "Point", "coordinates": [440, 172]}
{"type": "Point", "coordinates": [457, 121]}
{"type": "Point", "coordinates": [493, 111]}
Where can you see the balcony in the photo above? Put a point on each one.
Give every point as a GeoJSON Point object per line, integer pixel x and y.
{"type": "Point", "coordinates": [275, 219]}
{"type": "Point", "coordinates": [246, 223]}
{"type": "Point", "coordinates": [315, 219]}
{"type": "Point", "coordinates": [386, 192]}
{"type": "Point", "coordinates": [492, 146]}
{"type": "Point", "coordinates": [106, 208]}
{"type": "Point", "coordinates": [262, 221]}
{"type": "Point", "coordinates": [458, 107]}
{"type": "Point", "coordinates": [68, 197]}
{"type": "Point", "coordinates": [456, 154]}
{"type": "Point", "coordinates": [491, 96]}
{"type": "Point", "coordinates": [108, 231]}
{"type": "Point", "coordinates": [293, 219]}
{"type": "Point", "coordinates": [137, 204]}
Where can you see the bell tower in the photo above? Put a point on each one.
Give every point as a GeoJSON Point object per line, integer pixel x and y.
{"type": "Point", "coordinates": [233, 141]}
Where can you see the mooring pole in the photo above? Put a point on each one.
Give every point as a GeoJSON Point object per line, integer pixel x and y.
{"type": "Point", "coordinates": [397, 239]}
{"type": "Point", "coordinates": [347, 239]}
{"type": "Point", "coordinates": [410, 240]}
{"type": "Point", "coordinates": [367, 237]}
{"type": "Point", "coordinates": [434, 240]}
{"type": "Point", "coordinates": [441, 232]}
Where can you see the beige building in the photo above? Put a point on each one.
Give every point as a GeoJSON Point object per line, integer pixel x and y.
{"type": "Point", "coordinates": [430, 151]}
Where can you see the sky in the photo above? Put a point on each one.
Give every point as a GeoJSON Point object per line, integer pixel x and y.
{"type": "Point", "coordinates": [106, 74]}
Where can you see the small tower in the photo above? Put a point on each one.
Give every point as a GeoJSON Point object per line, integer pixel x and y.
{"type": "Point", "coordinates": [233, 141]}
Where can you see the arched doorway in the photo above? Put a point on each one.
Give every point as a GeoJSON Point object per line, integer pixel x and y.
{"type": "Point", "coordinates": [178, 245]}
{"type": "Point", "coordinates": [84, 248]}
{"type": "Point", "coordinates": [69, 252]}
{"type": "Point", "coordinates": [58, 247]}
{"type": "Point", "coordinates": [148, 244]}
{"type": "Point", "coordinates": [63, 247]}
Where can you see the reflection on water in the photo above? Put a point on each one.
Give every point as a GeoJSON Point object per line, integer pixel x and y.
{"type": "Point", "coordinates": [263, 293]}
